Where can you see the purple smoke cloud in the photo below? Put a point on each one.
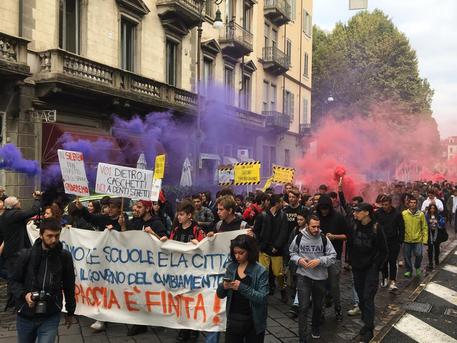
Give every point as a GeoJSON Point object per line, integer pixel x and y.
{"type": "Point", "coordinates": [11, 159]}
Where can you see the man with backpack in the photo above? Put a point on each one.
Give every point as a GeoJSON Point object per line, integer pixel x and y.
{"type": "Point", "coordinates": [313, 253]}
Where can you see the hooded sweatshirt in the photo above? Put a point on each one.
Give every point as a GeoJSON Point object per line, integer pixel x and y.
{"type": "Point", "coordinates": [236, 224]}
{"type": "Point", "coordinates": [333, 223]}
{"type": "Point", "coordinates": [416, 228]}
{"type": "Point", "coordinates": [311, 247]}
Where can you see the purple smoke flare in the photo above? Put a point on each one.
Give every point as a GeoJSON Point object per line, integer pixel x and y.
{"type": "Point", "coordinates": [11, 159]}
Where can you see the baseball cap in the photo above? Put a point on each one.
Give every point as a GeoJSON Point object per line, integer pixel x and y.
{"type": "Point", "coordinates": [363, 206]}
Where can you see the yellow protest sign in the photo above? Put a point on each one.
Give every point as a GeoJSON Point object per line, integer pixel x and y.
{"type": "Point", "coordinates": [247, 173]}
{"type": "Point", "coordinates": [267, 184]}
{"type": "Point", "coordinates": [283, 174]}
{"type": "Point", "coordinates": [159, 168]}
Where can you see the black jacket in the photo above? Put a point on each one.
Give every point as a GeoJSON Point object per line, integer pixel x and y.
{"type": "Point", "coordinates": [49, 270]}
{"type": "Point", "coordinates": [235, 224]}
{"type": "Point", "coordinates": [333, 223]}
{"type": "Point", "coordinates": [155, 223]}
{"type": "Point", "coordinates": [368, 246]}
{"type": "Point", "coordinates": [272, 232]}
{"type": "Point", "coordinates": [13, 224]}
{"type": "Point", "coordinates": [392, 224]}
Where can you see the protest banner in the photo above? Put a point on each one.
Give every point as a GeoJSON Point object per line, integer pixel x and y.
{"type": "Point", "coordinates": [247, 173]}
{"type": "Point", "coordinates": [225, 175]}
{"type": "Point", "coordinates": [133, 278]}
{"type": "Point", "coordinates": [156, 187]}
{"type": "Point", "coordinates": [124, 181]}
{"type": "Point", "coordinates": [159, 168]}
{"type": "Point", "coordinates": [73, 172]}
{"type": "Point", "coordinates": [283, 174]}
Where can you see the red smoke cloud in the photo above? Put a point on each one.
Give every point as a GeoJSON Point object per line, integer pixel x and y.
{"type": "Point", "coordinates": [386, 145]}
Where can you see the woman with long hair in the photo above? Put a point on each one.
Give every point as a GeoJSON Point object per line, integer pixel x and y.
{"type": "Point", "coordinates": [436, 233]}
{"type": "Point", "coordinates": [246, 287]}
{"type": "Point", "coordinates": [94, 207]}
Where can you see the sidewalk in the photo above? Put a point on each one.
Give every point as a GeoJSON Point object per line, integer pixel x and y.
{"type": "Point", "coordinates": [280, 328]}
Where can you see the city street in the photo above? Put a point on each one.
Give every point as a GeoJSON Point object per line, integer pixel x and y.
{"type": "Point", "coordinates": [281, 328]}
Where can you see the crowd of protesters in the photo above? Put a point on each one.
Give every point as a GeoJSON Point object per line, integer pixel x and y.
{"type": "Point", "coordinates": [296, 243]}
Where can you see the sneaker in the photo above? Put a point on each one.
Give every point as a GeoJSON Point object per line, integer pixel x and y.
{"type": "Point", "coordinates": [367, 337]}
{"type": "Point", "coordinates": [338, 314]}
{"type": "Point", "coordinates": [418, 272]}
{"type": "Point", "coordinates": [293, 311]}
{"type": "Point", "coordinates": [393, 286]}
{"type": "Point", "coordinates": [284, 297]}
{"type": "Point", "coordinates": [98, 326]}
{"type": "Point", "coordinates": [430, 267]}
{"type": "Point", "coordinates": [355, 311]}
{"type": "Point", "coordinates": [407, 274]}
{"type": "Point", "coordinates": [401, 263]}
{"type": "Point", "coordinates": [328, 301]}
{"type": "Point", "coordinates": [136, 329]}
{"type": "Point", "coordinates": [315, 332]}
{"type": "Point", "coordinates": [384, 283]}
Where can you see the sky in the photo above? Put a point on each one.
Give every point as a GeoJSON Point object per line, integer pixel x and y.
{"type": "Point", "coordinates": [431, 27]}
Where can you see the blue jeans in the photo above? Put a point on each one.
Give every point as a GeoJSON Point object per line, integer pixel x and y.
{"type": "Point", "coordinates": [410, 249]}
{"type": "Point", "coordinates": [41, 330]}
{"type": "Point", "coordinates": [212, 337]}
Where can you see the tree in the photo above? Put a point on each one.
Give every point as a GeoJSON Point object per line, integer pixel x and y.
{"type": "Point", "coordinates": [366, 62]}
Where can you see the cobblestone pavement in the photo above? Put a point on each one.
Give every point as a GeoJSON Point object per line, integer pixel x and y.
{"type": "Point", "coordinates": [280, 328]}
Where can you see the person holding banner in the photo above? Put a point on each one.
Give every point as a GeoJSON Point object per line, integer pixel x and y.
{"type": "Point", "coordinates": [245, 286]}
{"type": "Point", "coordinates": [146, 221]}
{"type": "Point", "coordinates": [103, 221]}
{"type": "Point", "coordinates": [42, 276]}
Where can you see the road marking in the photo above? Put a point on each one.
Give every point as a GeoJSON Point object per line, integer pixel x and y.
{"type": "Point", "coordinates": [420, 331]}
{"type": "Point", "coordinates": [442, 292]}
{"type": "Point", "coordinates": [450, 268]}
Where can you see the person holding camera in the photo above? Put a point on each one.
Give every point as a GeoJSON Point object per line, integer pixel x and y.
{"type": "Point", "coordinates": [42, 275]}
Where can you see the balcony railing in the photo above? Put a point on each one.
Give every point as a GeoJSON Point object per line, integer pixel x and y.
{"type": "Point", "coordinates": [274, 58]}
{"type": "Point", "coordinates": [278, 11]}
{"type": "Point", "coordinates": [237, 38]}
{"type": "Point", "coordinates": [55, 62]}
{"type": "Point", "coordinates": [13, 51]}
{"type": "Point", "coordinates": [277, 119]}
{"type": "Point", "coordinates": [190, 4]}
{"type": "Point", "coordinates": [175, 14]}
{"type": "Point", "coordinates": [305, 129]}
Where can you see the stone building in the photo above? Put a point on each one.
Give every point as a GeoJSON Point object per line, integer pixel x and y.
{"type": "Point", "coordinates": [87, 59]}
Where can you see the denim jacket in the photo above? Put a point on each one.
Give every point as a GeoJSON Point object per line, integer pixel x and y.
{"type": "Point", "coordinates": [257, 292]}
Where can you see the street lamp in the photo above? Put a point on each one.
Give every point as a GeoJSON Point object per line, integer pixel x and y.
{"type": "Point", "coordinates": [217, 24]}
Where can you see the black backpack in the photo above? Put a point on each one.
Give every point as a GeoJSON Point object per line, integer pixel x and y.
{"type": "Point", "coordinates": [324, 241]}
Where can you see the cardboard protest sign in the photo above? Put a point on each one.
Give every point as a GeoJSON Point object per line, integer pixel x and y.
{"type": "Point", "coordinates": [159, 167]}
{"type": "Point", "coordinates": [133, 278]}
{"type": "Point", "coordinates": [73, 172]}
{"type": "Point", "coordinates": [247, 173]}
{"type": "Point", "coordinates": [124, 181]}
{"type": "Point", "coordinates": [283, 174]}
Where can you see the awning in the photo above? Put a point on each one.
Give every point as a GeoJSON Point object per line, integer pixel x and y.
{"type": "Point", "coordinates": [53, 132]}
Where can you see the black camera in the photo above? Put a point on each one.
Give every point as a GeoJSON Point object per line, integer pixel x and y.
{"type": "Point", "coordinates": [41, 301]}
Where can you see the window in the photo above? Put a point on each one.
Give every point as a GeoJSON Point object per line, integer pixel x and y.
{"type": "Point", "coordinates": [287, 157]}
{"type": "Point", "coordinates": [247, 11]}
{"type": "Point", "coordinates": [269, 158]}
{"type": "Point", "coordinates": [293, 9]}
{"type": "Point", "coordinates": [306, 65]}
{"type": "Point", "coordinates": [272, 155]}
{"type": "Point", "coordinates": [69, 25]}
{"type": "Point", "coordinates": [307, 24]}
{"type": "Point", "coordinates": [265, 102]}
{"type": "Point", "coordinates": [127, 44]}
{"type": "Point", "coordinates": [289, 104]}
{"type": "Point", "coordinates": [229, 9]}
{"type": "Point", "coordinates": [209, 8]}
{"type": "Point", "coordinates": [172, 62]}
{"type": "Point", "coordinates": [228, 82]}
{"type": "Point", "coordinates": [207, 73]}
{"type": "Point", "coordinates": [274, 38]}
{"type": "Point", "coordinates": [266, 34]}
{"type": "Point", "coordinates": [245, 99]}
{"type": "Point", "coordinates": [273, 98]}
{"type": "Point", "coordinates": [305, 113]}
{"type": "Point", "coordinates": [289, 50]}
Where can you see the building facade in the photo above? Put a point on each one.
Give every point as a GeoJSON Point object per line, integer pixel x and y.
{"type": "Point", "coordinates": [87, 59]}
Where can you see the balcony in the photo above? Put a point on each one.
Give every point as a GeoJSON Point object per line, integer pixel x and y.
{"type": "Point", "coordinates": [277, 120]}
{"type": "Point", "coordinates": [275, 61]}
{"type": "Point", "coordinates": [179, 16]}
{"type": "Point", "coordinates": [236, 41]}
{"type": "Point", "coordinates": [13, 55]}
{"type": "Point", "coordinates": [279, 12]}
{"type": "Point", "coordinates": [72, 72]}
{"type": "Point", "coordinates": [305, 129]}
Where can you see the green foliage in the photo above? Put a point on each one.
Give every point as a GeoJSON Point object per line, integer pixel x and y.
{"type": "Point", "coordinates": [364, 62]}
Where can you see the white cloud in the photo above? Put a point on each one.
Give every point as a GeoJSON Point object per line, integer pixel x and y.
{"type": "Point", "coordinates": [431, 27]}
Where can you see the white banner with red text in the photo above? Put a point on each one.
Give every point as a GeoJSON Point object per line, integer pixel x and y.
{"type": "Point", "coordinates": [133, 278]}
